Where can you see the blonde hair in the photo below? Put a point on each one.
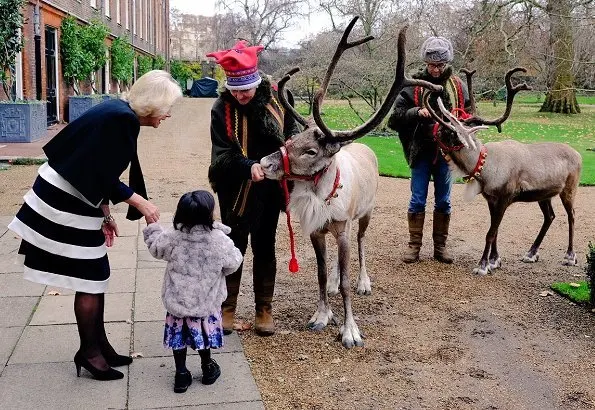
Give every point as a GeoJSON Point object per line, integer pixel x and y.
{"type": "Point", "coordinates": [153, 94]}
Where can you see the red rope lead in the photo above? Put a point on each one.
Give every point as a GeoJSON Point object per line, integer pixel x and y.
{"type": "Point", "coordinates": [293, 263]}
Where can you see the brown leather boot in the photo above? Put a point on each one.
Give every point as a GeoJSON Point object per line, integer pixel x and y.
{"type": "Point", "coordinates": [228, 308]}
{"type": "Point", "coordinates": [416, 233]}
{"type": "Point", "coordinates": [264, 288]}
{"type": "Point", "coordinates": [440, 233]}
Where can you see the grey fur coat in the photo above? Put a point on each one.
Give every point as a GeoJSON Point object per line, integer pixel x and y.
{"type": "Point", "coordinates": [197, 263]}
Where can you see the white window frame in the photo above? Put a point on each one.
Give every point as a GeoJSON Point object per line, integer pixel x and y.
{"type": "Point", "coordinates": [127, 14]}
{"type": "Point", "coordinates": [106, 6]}
{"type": "Point", "coordinates": [118, 12]}
{"type": "Point", "coordinates": [107, 79]}
{"type": "Point", "coordinates": [18, 69]}
{"type": "Point", "coordinates": [140, 18]}
{"type": "Point", "coordinates": [93, 3]}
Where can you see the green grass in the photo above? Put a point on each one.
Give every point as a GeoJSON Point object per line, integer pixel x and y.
{"type": "Point", "coordinates": [578, 294]}
{"type": "Point", "coordinates": [525, 124]}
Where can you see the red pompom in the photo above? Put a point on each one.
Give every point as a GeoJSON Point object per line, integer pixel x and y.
{"type": "Point", "coordinates": [293, 265]}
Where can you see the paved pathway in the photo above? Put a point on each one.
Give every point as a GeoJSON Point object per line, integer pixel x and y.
{"type": "Point", "coordinates": [38, 336]}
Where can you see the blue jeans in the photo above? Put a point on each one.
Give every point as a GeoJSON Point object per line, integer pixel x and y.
{"type": "Point", "coordinates": [420, 179]}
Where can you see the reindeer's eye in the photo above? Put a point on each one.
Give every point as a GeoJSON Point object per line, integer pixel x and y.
{"type": "Point", "coordinates": [311, 152]}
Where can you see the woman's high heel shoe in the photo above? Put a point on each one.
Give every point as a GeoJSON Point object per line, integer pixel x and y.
{"type": "Point", "coordinates": [118, 360]}
{"type": "Point", "coordinates": [109, 374]}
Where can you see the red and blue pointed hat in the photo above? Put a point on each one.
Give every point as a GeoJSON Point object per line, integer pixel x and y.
{"type": "Point", "coordinates": [240, 64]}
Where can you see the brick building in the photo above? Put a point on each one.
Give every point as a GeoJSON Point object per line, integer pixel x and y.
{"type": "Point", "coordinates": [38, 67]}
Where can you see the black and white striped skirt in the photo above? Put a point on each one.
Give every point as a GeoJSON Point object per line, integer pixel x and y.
{"type": "Point", "coordinates": [63, 244]}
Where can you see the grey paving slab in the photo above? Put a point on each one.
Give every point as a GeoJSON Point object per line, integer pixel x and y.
{"type": "Point", "coordinates": [53, 310]}
{"type": "Point", "coordinates": [126, 227]}
{"type": "Point", "coordinates": [148, 339]}
{"type": "Point", "coordinates": [149, 279]}
{"type": "Point", "coordinates": [13, 284]}
{"type": "Point", "coordinates": [123, 244]}
{"type": "Point", "coordinates": [151, 384]}
{"type": "Point", "coordinates": [8, 340]}
{"type": "Point", "coordinates": [147, 261]}
{"type": "Point", "coordinates": [148, 307]}
{"type": "Point", "coordinates": [16, 311]}
{"type": "Point", "coordinates": [64, 342]}
{"type": "Point", "coordinates": [122, 259]}
{"type": "Point", "coordinates": [121, 281]}
{"type": "Point", "coordinates": [55, 386]}
{"type": "Point", "coordinates": [9, 246]}
{"type": "Point", "coordinates": [244, 405]}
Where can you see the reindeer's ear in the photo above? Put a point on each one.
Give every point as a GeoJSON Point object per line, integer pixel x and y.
{"type": "Point", "coordinates": [331, 147]}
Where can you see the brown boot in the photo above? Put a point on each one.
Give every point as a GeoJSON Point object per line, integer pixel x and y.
{"type": "Point", "coordinates": [440, 233]}
{"type": "Point", "coordinates": [228, 308]}
{"type": "Point", "coordinates": [264, 288]}
{"type": "Point", "coordinates": [416, 233]}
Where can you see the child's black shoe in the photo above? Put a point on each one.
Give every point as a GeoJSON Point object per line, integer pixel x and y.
{"type": "Point", "coordinates": [182, 381]}
{"type": "Point", "coordinates": [210, 372]}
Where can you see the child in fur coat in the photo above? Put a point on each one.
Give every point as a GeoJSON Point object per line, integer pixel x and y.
{"type": "Point", "coordinates": [199, 255]}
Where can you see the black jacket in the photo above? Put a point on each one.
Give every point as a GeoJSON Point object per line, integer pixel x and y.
{"type": "Point", "coordinates": [234, 153]}
{"type": "Point", "coordinates": [415, 132]}
{"type": "Point", "coordinates": [92, 152]}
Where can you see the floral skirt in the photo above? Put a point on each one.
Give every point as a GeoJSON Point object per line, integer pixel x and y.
{"type": "Point", "coordinates": [197, 332]}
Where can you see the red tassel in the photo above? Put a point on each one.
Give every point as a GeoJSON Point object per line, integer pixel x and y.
{"type": "Point", "coordinates": [293, 265]}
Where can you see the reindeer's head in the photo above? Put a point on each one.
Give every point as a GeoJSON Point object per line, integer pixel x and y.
{"type": "Point", "coordinates": [311, 151]}
{"type": "Point", "coordinates": [455, 131]}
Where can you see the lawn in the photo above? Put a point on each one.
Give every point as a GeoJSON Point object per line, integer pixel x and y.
{"type": "Point", "coordinates": [525, 124]}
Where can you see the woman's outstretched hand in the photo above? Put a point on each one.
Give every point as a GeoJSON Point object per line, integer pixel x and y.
{"type": "Point", "coordinates": [257, 172]}
{"type": "Point", "coordinates": [149, 211]}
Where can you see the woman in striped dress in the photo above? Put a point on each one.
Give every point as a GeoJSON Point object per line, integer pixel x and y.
{"type": "Point", "coordinates": [65, 222]}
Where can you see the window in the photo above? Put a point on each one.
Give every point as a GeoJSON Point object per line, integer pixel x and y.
{"type": "Point", "coordinates": [94, 3]}
{"type": "Point", "coordinates": [118, 11]}
{"type": "Point", "coordinates": [106, 5]}
{"type": "Point", "coordinates": [134, 16]}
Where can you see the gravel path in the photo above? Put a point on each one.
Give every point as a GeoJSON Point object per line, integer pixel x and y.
{"type": "Point", "coordinates": [436, 336]}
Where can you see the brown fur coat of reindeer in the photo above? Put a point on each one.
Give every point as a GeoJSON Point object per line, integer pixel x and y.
{"type": "Point", "coordinates": [335, 184]}
{"type": "Point", "coordinates": [506, 172]}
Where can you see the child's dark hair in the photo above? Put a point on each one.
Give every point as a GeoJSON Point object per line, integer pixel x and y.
{"type": "Point", "coordinates": [194, 208]}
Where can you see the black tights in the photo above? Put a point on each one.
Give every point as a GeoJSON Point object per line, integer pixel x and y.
{"type": "Point", "coordinates": [180, 358]}
{"type": "Point", "coordinates": [88, 310]}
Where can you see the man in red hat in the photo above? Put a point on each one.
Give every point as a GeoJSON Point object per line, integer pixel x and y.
{"type": "Point", "coordinates": [248, 123]}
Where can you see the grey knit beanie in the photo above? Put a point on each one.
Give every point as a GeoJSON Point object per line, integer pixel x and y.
{"type": "Point", "coordinates": [436, 50]}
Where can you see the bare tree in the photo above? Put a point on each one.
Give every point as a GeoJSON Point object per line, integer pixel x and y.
{"type": "Point", "coordinates": [265, 22]}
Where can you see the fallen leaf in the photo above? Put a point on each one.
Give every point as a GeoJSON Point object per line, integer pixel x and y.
{"type": "Point", "coordinates": [280, 379]}
{"type": "Point", "coordinates": [546, 293]}
{"type": "Point", "coordinates": [574, 284]}
{"type": "Point", "coordinates": [303, 357]}
{"type": "Point", "coordinates": [129, 321]}
{"type": "Point", "coordinates": [285, 332]}
{"type": "Point", "coordinates": [54, 293]}
{"type": "Point", "coordinates": [136, 354]}
{"type": "Point", "coordinates": [336, 361]}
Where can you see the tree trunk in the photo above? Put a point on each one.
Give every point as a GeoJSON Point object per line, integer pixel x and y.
{"type": "Point", "coordinates": [561, 97]}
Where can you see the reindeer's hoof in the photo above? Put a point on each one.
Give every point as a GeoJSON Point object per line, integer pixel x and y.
{"type": "Point", "coordinates": [495, 264]}
{"type": "Point", "coordinates": [481, 271]}
{"type": "Point", "coordinates": [316, 327]}
{"type": "Point", "coordinates": [362, 292]}
{"type": "Point", "coordinates": [531, 259]}
{"type": "Point", "coordinates": [350, 336]}
{"type": "Point", "coordinates": [570, 260]}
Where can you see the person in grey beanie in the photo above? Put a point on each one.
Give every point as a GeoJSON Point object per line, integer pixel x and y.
{"type": "Point", "coordinates": [415, 127]}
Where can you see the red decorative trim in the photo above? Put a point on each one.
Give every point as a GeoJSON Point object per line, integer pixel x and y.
{"type": "Point", "coordinates": [476, 173]}
{"type": "Point", "coordinates": [336, 185]}
{"type": "Point", "coordinates": [228, 124]}
{"type": "Point", "coordinates": [416, 98]}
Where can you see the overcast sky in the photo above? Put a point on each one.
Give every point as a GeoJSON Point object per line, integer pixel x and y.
{"type": "Point", "coordinates": [318, 21]}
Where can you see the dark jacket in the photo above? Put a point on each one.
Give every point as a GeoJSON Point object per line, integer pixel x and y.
{"type": "Point", "coordinates": [415, 132]}
{"type": "Point", "coordinates": [94, 150]}
{"type": "Point", "coordinates": [241, 136]}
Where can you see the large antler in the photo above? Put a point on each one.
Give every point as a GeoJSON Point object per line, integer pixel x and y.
{"type": "Point", "coordinates": [510, 93]}
{"type": "Point", "coordinates": [288, 107]}
{"type": "Point", "coordinates": [399, 82]}
{"type": "Point", "coordinates": [468, 77]}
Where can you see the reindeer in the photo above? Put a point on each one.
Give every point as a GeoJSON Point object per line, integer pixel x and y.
{"type": "Point", "coordinates": [506, 172]}
{"type": "Point", "coordinates": [335, 183]}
